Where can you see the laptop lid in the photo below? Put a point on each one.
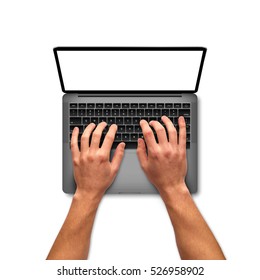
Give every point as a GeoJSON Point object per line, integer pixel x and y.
{"type": "Point", "coordinates": [132, 69]}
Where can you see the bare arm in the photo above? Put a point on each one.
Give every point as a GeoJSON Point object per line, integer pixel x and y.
{"type": "Point", "coordinates": [93, 173]}
{"type": "Point", "coordinates": [165, 166]}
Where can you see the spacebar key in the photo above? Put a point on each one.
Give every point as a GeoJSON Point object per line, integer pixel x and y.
{"type": "Point", "coordinates": [129, 145]}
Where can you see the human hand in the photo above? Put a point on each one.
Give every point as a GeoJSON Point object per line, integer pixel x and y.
{"type": "Point", "coordinates": [93, 171]}
{"type": "Point", "coordinates": [165, 165]}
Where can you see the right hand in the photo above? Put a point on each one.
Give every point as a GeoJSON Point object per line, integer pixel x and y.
{"type": "Point", "coordinates": [165, 165]}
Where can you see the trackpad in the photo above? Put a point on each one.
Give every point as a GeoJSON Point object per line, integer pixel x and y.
{"type": "Point", "coordinates": [130, 177]}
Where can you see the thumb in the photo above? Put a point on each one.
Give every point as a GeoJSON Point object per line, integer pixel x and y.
{"type": "Point", "coordinates": [118, 156]}
{"type": "Point", "coordinates": [141, 152]}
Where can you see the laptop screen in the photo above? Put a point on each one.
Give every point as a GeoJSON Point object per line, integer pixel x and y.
{"type": "Point", "coordinates": [131, 69]}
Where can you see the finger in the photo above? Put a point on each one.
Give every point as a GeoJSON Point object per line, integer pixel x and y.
{"type": "Point", "coordinates": [160, 131]}
{"type": "Point", "coordinates": [171, 130]}
{"type": "Point", "coordinates": [118, 156]}
{"type": "Point", "coordinates": [86, 136]}
{"type": "Point", "coordinates": [74, 142]}
{"type": "Point", "coordinates": [109, 139]}
{"type": "Point", "coordinates": [182, 132]}
{"type": "Point", "coordinates": [96, 136]}
{"type": "Point", "coordinates": [148, 135]}
{"type": "Point", "coordinates": [141, 152]}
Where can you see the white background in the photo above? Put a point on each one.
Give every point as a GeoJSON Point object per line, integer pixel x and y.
{"type": "Point", "coordinates": [128, 228]}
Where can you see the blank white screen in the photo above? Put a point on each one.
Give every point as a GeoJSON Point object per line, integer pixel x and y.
{"type": "Point", "coordinates": [130, 70]}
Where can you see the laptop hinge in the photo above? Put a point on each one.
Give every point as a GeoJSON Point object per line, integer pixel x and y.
{"type": "Point", "coordinates": [130, 95]}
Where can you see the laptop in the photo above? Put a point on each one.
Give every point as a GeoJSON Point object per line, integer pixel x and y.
{"type": "Point", "coordinates": [123, 85]}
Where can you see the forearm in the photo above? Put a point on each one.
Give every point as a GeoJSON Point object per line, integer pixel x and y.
{"type": "Point", "coordinates": [193, 236]}
{"type": "Point", "coordinates": [73, 239]}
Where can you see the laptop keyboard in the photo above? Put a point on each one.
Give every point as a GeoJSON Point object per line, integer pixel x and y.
{"type": "Point", "coordinates": [127, 117]}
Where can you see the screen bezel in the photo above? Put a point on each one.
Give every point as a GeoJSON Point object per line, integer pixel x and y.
{"type": "Point", "coordinates": [57, 49]}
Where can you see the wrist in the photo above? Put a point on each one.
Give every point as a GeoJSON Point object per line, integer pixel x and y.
{"type": "Point", "coordinates": [173, 194]}
{"type": "Point", "coordinates": [87, 199]}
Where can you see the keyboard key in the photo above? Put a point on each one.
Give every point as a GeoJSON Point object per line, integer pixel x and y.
{"type": "Point", "coordinates": [188, 137]}
{"type": "Point", "coordinates": [73, 112]}
{"type": "Point", "coordinates": [184, 112]}
{"type": "Point", "coordinates": [94, 120]}
{"type": "Point", "coordinates": [153, 119]}
{"type": "Point", "coordinates": [136, 120]}
{"type": "Point", "coordinates": [99, 105]}
{"type": "Point", "coordinates": [157, 112]}
{"type": "Point", "coordinates": [165, 112]}
{"type": "Point", "coordinates": [142, 105]}
{"type": "Point", "coordinates": [160, 105]}
{"type": "Point", "coordinates": [173, 112]}
{"type": "Point", "coordinates": [102, 119]}
{"type": "Point", "coordinates": [105, 130]}
{"type": "Point", "coordinates": [91, 105]}
{"type": "Point", "coordinates": [115, 112]}
{"type": "Point", "coordinates": [151, 105]}
{"type": "Point", "coordinates": [119, 120]}
{"type": "Point", "coordinates": [129, 128]}
{"type": "Point", "coordinates": [79, 126]}
{"type": "Point", "coordinates": [75, 120]}
{"type": "Point", "coordinates": [127, 121]}
{"type": "Point", "coordinates": [107, 112]}
{"type": "Point", "coordinates": [187, 120]}
{"type": "Point", "coordinates": [175, 121]}
{"type": "Point", "coordinates": [125, 137]}
{"type": "Point", "coordinates": [148, 112]}
{"type": "Point", "coordinates": [98, 112]}
{"type": "Point", "coordinates": [140, 112]}
{"type": "Point", "coordinates": [188, 145]}
{"type": "Point", "coordinates": [90, 112]}
{"type": "Point", "coordinates": [73, 105]}
{"type": "Point", "coordinates": [116, 105]}
{"type": "Point", "coordinates": [108, 105]}
{"type": "Point", "coordinates": [86, 121]}
{"type": "Point", "coordinates": [118, 137]}
{"type": "Point", "coordinates": [134, 105]}
{"type": "Point", "coordinates": [111, 120]}
{"type": "Point", "coordinates": [131, 112]}
{"type": "Point", "coordinates": [121, 128]}
{"type": "Point", "coordinates": [168, 105]}
{"type": "Point", "coordinates": [134, 137]}
{"type": "Point", "coordinates": [123, 112]}
{"type": "Point", "coordinates": [186, 105]}
{"type": "Point", "coordinates": [187, 128]}
{"type": "Point", "coordinates": [82, 112]}
{"type": "Point", "coordinates": [138, 128]}
{"type": "Point", "coordinates": [140, 135]}
{"type": "Point", "coordinates": [177, 105]}
{"type": "Point", "coordinates": [160, 121]}
{"type": "Point", "coordinates": [82, 105]}
{"type": "Point", "coordinates": [125, 105]}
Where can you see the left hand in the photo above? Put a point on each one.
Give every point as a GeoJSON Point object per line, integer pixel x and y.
{"type": "Point", "coordinates": [93, 171]}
